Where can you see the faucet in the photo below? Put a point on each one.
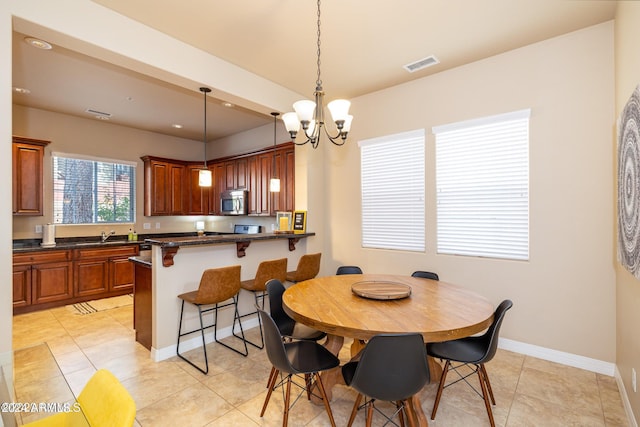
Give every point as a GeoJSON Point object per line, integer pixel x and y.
{"type": "Point", "coordinates": [105, 236]}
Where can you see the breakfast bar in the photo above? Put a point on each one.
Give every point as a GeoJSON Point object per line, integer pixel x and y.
{"type": "Point", "coordinates": [176, 265]}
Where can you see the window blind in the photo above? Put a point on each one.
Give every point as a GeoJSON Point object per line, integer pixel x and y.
{"type": "Point", "coordinates": [482, 180]}
{"type": "Point", "coordinates": [392, 179]}
{"type": "Point", "coordinates": [89, 190]}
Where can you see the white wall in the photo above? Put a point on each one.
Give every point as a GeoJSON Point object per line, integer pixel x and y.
{"type": "Point", "coordinates": [564, 296]}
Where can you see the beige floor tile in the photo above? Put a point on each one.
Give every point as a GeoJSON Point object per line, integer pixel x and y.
{"type": "Point", "coordinates": [529, 391]}
{"type": "Point", "coordinates": [195, 405]}
{"type": "Point", "coordinates": [153, 385]}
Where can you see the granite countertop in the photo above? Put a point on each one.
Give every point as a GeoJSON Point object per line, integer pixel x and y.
{"type": "Point", "coordinates": [173, 241]}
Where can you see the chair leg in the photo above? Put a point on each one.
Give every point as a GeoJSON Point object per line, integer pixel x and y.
{"type": "Point", "coordinates": [233, 328]}
{"type": "Point", "coordinates": [327, 407]}
{"type": "Point", "coordinates": [271, 374]}
{"type": "Point", "coordinates": [369, 413]}
{"type": "Point", "coordinates": [354, 411]}
{"type": "Point", "coordinates": [486, 378]}
{"type": "Point", "coordinates": [204, 346]}
{"type": "Point", "coordinates": [485, 396]}
{"type": "Point", "coordinates": [445, 370]}
{"type": "Point", "coordinates": [400, 408]}
{"type": "Point", "coordinates": [241, 337]}
{"type": "Point", "coordinates": [287, 402]}
{"type": "Point", "coordinates": [272, 382]}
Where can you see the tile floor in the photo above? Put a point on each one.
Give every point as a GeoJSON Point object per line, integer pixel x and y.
{"type": "Point", "coordinates": [529, 391]}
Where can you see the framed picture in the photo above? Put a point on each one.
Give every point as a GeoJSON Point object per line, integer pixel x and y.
{"type": "Point", "coordinates": [300, 222]}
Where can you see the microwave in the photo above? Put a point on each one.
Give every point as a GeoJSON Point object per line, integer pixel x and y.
{"type": "Point", "coordinates": [234, 202]}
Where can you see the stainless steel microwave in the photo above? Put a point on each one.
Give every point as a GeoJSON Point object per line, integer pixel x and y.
{"type": "Point", "coordinates": [234, 202]}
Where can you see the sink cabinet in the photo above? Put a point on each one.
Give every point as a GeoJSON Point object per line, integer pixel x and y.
{"type": "Point", "coordinates": [28, 158]}
{"type": "Point", "coordinates": [45, 279]}
{"type": "Point", "coordinates": [42, 277]}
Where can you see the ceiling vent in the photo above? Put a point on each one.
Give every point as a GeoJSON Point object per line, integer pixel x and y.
{"type": "Point", "coordinates": [422, 63]}
{"type": "Point", "coordinates": [99, 114]}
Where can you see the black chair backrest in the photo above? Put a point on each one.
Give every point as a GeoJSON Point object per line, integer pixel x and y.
{"type": "Point", "coordinates": [274, 344]}
{"type": "Point", "coordinates": [425, 275]}
{"type": "Point", "coordinates": [490, 337]}
{"type": "Point", "coordinates": [285, 324]}
{"type": "Point", "coordinates": [348, 269]}
{"type": "Point", "coordinates": [392, 367]}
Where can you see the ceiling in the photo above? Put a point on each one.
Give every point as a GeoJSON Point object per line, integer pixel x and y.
{"type": "Point", "coordinates": [364, 45]}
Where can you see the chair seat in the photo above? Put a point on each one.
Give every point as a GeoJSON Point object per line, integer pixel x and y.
{"type": "Point", "coordinates": [250, 285]}
{"type": "Point", "coordinates": [465, 350]}
{"type": "Point", "coordinates": [307, 356]}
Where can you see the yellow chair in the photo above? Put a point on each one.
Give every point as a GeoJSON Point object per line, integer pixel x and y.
{"type": "Point", "coordinates": [103, 402]}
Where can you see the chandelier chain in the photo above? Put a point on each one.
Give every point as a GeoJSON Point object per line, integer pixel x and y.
{"type": "Point", "coordinates": [319, 81]}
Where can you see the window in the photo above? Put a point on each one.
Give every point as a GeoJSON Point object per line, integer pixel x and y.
{"type": "Point", "coordinates": [392, 169]}
{"type": "Point", "coordinates": [482, 180]}
{"type": "Point", "coordinates": [92, 191]}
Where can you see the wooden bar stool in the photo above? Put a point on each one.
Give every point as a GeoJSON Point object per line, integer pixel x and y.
{"type": "Point", "coordinates": [217, 285]}
{"type": "Point", "coordinates": [267, 270]}
{"type": "Point", "coordinates": [308, 268]}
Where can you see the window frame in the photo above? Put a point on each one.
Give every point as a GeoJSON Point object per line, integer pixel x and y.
{"type": "Point", "coordinates": [95, 190]}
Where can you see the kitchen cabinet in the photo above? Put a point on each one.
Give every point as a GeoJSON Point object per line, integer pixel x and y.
{"type": "Point", "coordinates": [164, 184]}
{"type": "Point", "coordinates": [285, 170]}
{"type": "Point", "coordinates": [260, 170]}
{"type": "Point", "coordinates": [197, 198]}
{"type": "Point", "coordinates": [103, 271]}
{"type": "Point", "coordinates": [171, 186]}
{"type": "Point", "coordinates": [42, 277]}
{"type": "Point", "coordinates": [28, 159]}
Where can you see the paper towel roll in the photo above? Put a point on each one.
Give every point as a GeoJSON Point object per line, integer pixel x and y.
{"type": "Point", "coordinates": [48, 235]}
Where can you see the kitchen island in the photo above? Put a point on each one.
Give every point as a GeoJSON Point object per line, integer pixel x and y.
{"type": "Point", "coordinates": [177, 264]}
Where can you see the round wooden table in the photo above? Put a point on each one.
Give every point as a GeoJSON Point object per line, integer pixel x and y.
{"type": "Point", "coordinates": [439, 311]}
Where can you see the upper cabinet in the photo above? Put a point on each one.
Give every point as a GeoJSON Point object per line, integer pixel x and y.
{"type": "Point", "coordinates": [28, 159]}
{"type": "Point", "coordinates": [171, 186]}
{"type": "Point", "coordinates": [164, 186]}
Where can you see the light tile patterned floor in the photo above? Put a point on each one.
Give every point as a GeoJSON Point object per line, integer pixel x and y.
{"type": "Point", "coordinates": [529, 391]}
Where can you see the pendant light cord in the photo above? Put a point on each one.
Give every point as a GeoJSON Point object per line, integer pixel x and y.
{"type": "Point", "coordinates": [205, 90]}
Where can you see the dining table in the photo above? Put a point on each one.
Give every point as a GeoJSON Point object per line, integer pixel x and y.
{"type": "Point", "coordinates": [360, 306]}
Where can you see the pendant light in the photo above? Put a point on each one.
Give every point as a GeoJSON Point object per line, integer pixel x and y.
{"type": "Point", "coordinates": [274, 183]}
{"type": "Point", "coordinates": [204, 176]}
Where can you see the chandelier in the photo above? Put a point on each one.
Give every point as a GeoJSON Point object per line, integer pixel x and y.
{"type": "Point", "coordinates": [310, 114]}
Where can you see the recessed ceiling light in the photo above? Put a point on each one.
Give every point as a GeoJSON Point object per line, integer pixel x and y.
{"type": "Point", "coordinates": [176, 125]}
{"type": "Point", "coordinates": [37, 43]}
{"type": "Point", "coordinates": [21, 90]}
{"type": "Point", "coordinates": [228, 104]}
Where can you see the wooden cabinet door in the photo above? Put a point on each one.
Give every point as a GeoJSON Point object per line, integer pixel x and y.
{"type": "Point", "coordinates": [265, 172]}
{"type": "Point", "coordinates": [121, 275]}
{"type": "Point", "coordinates": [176, 185]}
{"type": "Point", "coordinates": [28, 159]}
{"type": "Point", "coordinates": [91, 277]}
{"type": "Point", "coordinates": [21, 285]}
{"type": "Point", "coordinates": [196, 196]}
{"type": "Point", "coordinates": [219, 171]}
{"type": "Point", "coordinates": [156, 184]}
{"type": "Point", "coordinates": [241, 173]}
{"type": "Point", "coordinates": [51, 282]}
{"type": "Point", "coordinates": [285, 170]}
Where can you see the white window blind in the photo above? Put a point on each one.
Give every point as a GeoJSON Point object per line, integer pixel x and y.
{"type": "Point", "coordinates": [89, 190]}
{"type": "Point", "coordinates": [482, 180]}
{"type": "Point", "coordinates": [392, 169]}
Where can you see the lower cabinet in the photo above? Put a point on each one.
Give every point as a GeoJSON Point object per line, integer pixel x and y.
{"type": "Point", "coordinates": [51, 278]}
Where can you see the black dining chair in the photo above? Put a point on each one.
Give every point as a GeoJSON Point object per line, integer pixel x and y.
{"type": "Point", "coordinates": [425, 275]}
{"type": "Point", "coordinates": [474, 350]}
{"type": "Point", "coordinates": [348, 269]}
{"type": "Point", "coordinates": [392, 367]}
{"type": "Point", "coordinates": [300, 358]}
{"type": "Point", "coordinates": [289, 328]}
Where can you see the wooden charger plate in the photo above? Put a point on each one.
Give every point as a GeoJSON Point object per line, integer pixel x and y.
{"type": "Point", "coordinates": [381, 290]}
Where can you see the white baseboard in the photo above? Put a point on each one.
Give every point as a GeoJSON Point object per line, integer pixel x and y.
{"type": "Point", "coordinates": [164, 353]}
{"type": "Point", "coordinates": [625, 400]}
{"type": "Point", "coordinates": [587, 363]}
